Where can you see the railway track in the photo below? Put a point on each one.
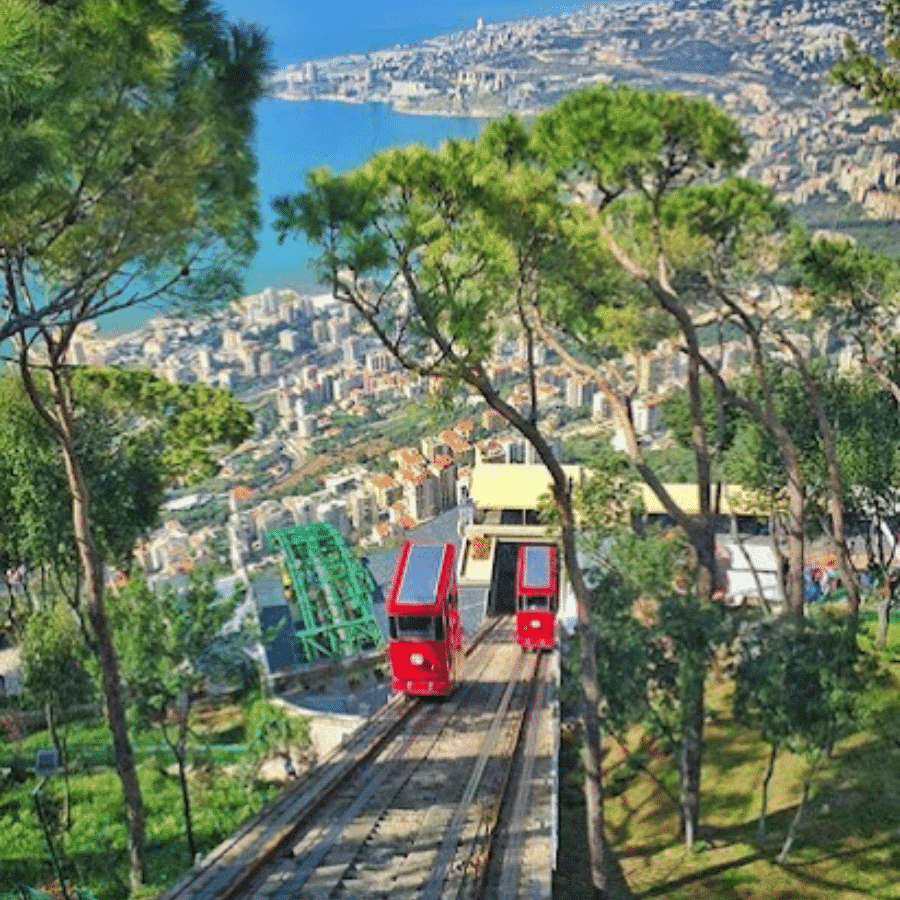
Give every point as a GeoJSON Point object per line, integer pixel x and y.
{"type": "Point", "coordinates": [409, 808]}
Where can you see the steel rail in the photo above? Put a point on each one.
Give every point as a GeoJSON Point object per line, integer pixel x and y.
{"type": "Point", "coordinates": [228, 870]}
{"type": "Point", "coordinates": [511, 869]}
{"type": "Point", "coordinates": [313, 856]}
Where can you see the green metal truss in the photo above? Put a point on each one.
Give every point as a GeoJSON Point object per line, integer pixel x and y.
{"type": "Point", "coordinates": [330, 592]}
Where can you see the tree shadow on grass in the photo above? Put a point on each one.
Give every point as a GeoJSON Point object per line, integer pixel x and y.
{"type": "Point", "coordinates": [697, 876]}
{"type": "Point", "coordinates": [845, 843]}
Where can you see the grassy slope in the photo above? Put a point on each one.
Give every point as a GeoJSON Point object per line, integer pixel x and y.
{"type": "Point", "coordinates": [847, 849]}
{"type": "Point", "coordinates": [91, 851]}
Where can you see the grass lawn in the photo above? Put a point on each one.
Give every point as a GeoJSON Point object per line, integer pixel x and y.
{"type": "Point", "coordinates": [848, 847]}
{"type": "Point", "coordinates": [92, 849]}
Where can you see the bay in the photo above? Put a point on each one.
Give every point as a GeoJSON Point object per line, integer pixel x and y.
{"type": "Point", "coordinates": [308, 29]}
{"type": "Point", "coordinates": [293, 138]}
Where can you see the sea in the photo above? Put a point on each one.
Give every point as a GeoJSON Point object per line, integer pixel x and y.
{"type": "Point", "coordinates": [293, 137]}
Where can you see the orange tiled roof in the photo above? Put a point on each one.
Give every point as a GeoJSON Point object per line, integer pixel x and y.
{"type": "Point", "coordinates": [411, 456]}
{"type": "Point", "coordinates": [242, 492]}
{"type": "Point", "coordinates": [454, 441]}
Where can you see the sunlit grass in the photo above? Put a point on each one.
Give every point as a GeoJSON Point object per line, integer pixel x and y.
{"type": "Point", "coordinates": [848, 846]}
{"type": "Point", "coordinates": [91, 849]}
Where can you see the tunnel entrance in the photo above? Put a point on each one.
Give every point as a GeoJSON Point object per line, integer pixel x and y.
{"type": "Point", "coordinates": [503, 579]}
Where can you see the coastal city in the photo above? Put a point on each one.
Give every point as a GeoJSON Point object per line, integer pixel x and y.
{"type": "Point", "coordinates": [452, 467]}
{"type": "Point", "coordinates": [333, 441]}
{"type": "Point", "coordinates": [339, 427]}
{"type": "Point", "coordinates": [765, 62]}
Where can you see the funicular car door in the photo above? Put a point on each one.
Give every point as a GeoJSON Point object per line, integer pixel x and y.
{"type": "Point", "coordinates": [453, 617]}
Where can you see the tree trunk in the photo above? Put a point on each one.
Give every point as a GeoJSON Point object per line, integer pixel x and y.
{"type": "Point", "coordinates": [884, 619]}
{"type": "Point", "coordinates": [754, 572]}
{"type": "Point", "coordinates": [798, 816]}
{"type": "Point", "coordinates": [183, 711]}
{"type": "Point", "coordinates": [590, 694]}
{"type": "Point", "coordinates": [109, 667]}
{"type": "Point", "coordinates": [67, 779]}
{"type": "Point", "coordinates": [702, 539]}
{"type": "Point", "coordinates": [796, 544]}
{"type": "Point", "coordinates": [692, 716]}
{"type": "Point", "coordinates": [59, 743]}
{"type": "Point", "coordinates": [587, 642]}
{"type": "Point", "coordinates": [764, 802]}
{"type": "Point", "coordinates": [593, 754]}
{"type": "Point", "coordinates": [835, 501]}
{"type": "Point", "coordinates": [180, 755]}
{"type": "Point", "coordinates": [92, 571]}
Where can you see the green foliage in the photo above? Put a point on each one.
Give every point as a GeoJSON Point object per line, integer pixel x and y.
{"type": "Point", "coordinates": [877, 80]}
{"type": "Point", "coordinates": [189, 424]}
{"type": "Point", "coordinates": [847, 282]}
{"type": "Point", "coordinates": [404, 205]}
{"type": "Point", "coordinates": [802, 683]}
{"type": "Point", "coordinates": [865, 417]}
{"type": "Point", "coordinates": [91, 852]}
{"type": "Point", "coordinates": [589, 298]}
{"type": "Point", "coordinates": [171, 645]}
{"type": "Point", "coordinates": [720, 420]}
{"type": "Point", "coordinates": [608, 501]}
{"type": "Point", "coordinates": [729, 224]}
{"type": "Point", "coordinates": [620, 138]}
{"type": "Point", "coordinates": [675, 465]}
{"type": "Point", "coordinates": [629, 159]}
{"type": "Point", "coordinates": [175, 642]}
{"type": "Point", "coordinates": [121, 471]}
{"type": "Point", "coordinates": [272, 731]}
{"type": "Point", "coordinates": [35, 512]}
{"type": "Point", "coordinates": [129, 127]}
{"type": "Point", "coordinates": [653, 636]}
{"type": "Point", "coordinates": [53, 659]}
{"type": "Point", "coordinates": [134, 434]}
{"type": "Point", "coordinates": [862, 413]}
{"type": "Point", "coordinates": [631, 664]}
{"type": "Point", "coordinates": [754, 457]}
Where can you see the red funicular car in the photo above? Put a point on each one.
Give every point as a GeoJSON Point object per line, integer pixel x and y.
{"type": "Point", "coordinates": [536, 596]}
{"type": "Point", "coordinates": [425, 645]}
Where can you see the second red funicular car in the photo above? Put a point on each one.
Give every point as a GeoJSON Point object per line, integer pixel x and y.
{"type": "Point", "coordinates": [425, 645]}
{"type": "Point", "coordinates": [537, 594]}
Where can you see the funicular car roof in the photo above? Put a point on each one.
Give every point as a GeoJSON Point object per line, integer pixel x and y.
{"type": "Point", "coordinates": [536, 569]}
{"type": "Point", "coordinates": [421, 580]}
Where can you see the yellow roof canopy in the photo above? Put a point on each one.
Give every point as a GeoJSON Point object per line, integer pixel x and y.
{"type": "Point", "coordinates": [514, 485]}
{"type": "Point", "coordinates": [520, 485]}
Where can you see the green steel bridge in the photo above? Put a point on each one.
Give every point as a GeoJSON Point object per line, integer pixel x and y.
{"type": "Point", "coordinates": [329, 591]}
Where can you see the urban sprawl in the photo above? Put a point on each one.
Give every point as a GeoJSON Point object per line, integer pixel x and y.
{"type": "Point", "coordinates": [325, 392]}
{"type": "Point", "coordinates": [765, 62]}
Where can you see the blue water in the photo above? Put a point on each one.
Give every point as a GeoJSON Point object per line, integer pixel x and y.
{"type": "Point", "coordinates": [304, 29]}
{"type": "Point", "coordinates": [293, 138]}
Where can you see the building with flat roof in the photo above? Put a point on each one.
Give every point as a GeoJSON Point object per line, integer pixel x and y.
{"type": "Point", "coordinates": [510, 493]}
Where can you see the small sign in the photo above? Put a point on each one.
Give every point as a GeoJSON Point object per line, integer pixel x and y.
{"type": "Point", "coordinates": [46, 762]}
